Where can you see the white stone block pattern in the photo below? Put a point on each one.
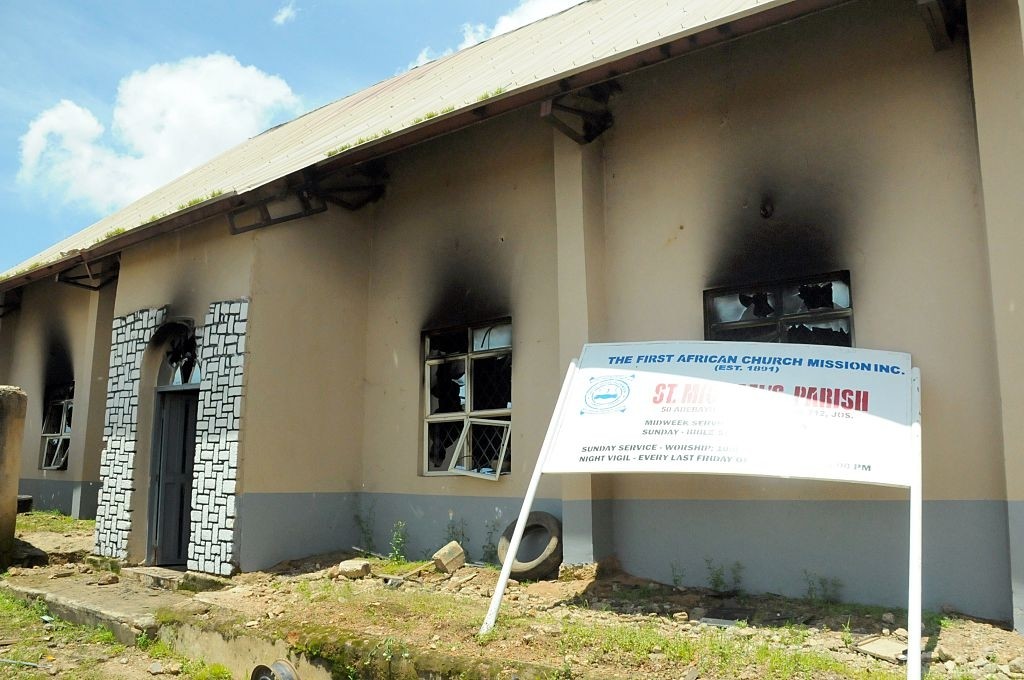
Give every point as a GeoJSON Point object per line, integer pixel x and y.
{"type": "Point", "coordinates": [130, 337]}
{"type": "Point", "coordinates": [221, 343]}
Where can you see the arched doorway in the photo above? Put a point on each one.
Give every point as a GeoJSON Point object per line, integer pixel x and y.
{"type": "Point", "coordinates": [174, 445]}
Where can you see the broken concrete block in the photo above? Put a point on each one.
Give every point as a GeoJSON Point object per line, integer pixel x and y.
{"type": "Point", "coordinates": [352, 568]}
{"type": "Point", "coordinates": [449, 558]}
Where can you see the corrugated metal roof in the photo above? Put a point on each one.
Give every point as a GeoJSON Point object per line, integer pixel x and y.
{"type": "Point", "coordinates": [546, 51]}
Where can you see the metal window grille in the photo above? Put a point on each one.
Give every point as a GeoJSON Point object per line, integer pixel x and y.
{"type": "Point", "coordinates": [467, 383]}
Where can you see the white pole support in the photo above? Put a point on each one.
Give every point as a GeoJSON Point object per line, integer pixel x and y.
{"type": "Point", "coordinates": [531, 491]}
{"type": "Point", "coordinates": [916, 538]}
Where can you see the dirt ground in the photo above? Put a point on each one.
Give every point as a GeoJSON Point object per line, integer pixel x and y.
{"type": "Point", "coordinates": [611, 625]}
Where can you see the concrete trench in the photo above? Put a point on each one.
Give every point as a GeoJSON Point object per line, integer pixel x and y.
{"type": "Point", "coordinates": [327, 656]}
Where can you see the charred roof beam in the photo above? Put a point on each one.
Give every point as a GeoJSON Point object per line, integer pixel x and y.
{"type": "Point", "coordinates": [941, 18]}
{"type": "Point", "coordinates": [581, 116]}
{"type": "Point", "coordinates": [99, 275]}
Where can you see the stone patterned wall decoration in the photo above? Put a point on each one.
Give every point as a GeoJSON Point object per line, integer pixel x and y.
{"type": "Point", "coordinates": [221, 341]}
{"type": "Point", "coordinates": [130, 337]}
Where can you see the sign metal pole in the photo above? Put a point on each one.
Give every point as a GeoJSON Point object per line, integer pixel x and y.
{"type": "Point", "coordinates": [517, 534]}
{"type": "Point", "coordinates": [914, 577]}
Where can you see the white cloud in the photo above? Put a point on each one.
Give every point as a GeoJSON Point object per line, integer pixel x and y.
{"type": "Point", "coordinates": [427, 55]}
{"type": "Point", "coordinates": [166, 120]}
{"type": "Point", "coordinates": [526, 12]}
{"type": "Point", "coordinates": [285, 14]}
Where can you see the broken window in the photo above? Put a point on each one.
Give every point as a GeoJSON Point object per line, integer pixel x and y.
{"type": "Point", "coordinates": [468, 400]}
{"type": "Point", "coordinates": [57, 427]}
{"type": "Point", "coordinates": [814, 310]}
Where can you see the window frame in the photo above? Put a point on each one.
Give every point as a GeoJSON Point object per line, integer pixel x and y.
{"type": "Point", "coordinates": [782, 319]}
{"type": "Point", "coordinates": [489, 417]}
{"type": "Point", "coordinates": [62, 397]}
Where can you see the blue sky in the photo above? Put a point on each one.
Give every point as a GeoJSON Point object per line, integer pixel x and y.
{"type": "Point", "coordinates": [101, 102]}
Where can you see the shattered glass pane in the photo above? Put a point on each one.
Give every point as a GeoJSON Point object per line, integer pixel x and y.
{"type": "Point", "coordinates": [492, 383]}
{"type": "Point", "coordinates": [745, 306]}
{"type": "Point", "coordinates": [54, 417]}
{"type": "Point", "coordinates": [443, 344]}
{"type": "Point", "coordinates": [55, 453]}
{"type": "Point", "coordinates": [816, 297]}
{"type": "Point", "coordinates": [492, 337]}
{"type": "Point", "coordinates": [769, 333]}
{"type": "Point", "coordinates": [448, 387]}
{"type": "Point", "coordinates": [67, 416]}
{"type": "Point", "coordinates": [442, 439]}
{"type": "Point", "coordinates": [835, 332]}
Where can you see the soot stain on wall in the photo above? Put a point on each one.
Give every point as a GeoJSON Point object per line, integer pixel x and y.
{"type": "Point", "coordinates": [466, 287]}
{"type": "Point", "coordinates": [58, 369]}
{"type": "Point", "coordinates": [780, 224]}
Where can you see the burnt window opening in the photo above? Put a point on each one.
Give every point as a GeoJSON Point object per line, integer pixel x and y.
{"type": "Point", "coordinates": [813, 310]}
{"type": "Point", "coordinates": [467, 383]}
{"type": "Point", "coordinates": [56, 435]}
{"type": "Point", "coordinates": [181, 365]}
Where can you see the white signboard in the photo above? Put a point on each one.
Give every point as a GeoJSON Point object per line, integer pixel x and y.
{"type": "Point", "coordinates": [738, 408]}
{"type": "Point", "coordinates": [829, 413]}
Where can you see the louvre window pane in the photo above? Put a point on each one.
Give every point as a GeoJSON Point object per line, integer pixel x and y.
{"type": "Point", "coordinates": [54, 417]}
{"type": "Point", "coordinates": [768, 333]}
{"type": "Point", "coordinates": [448, 387]}
{"type": "Point", "coordinates": [485, 447]}
{"type": "Point", "coordinates": [816, 297]}
{"type": "Point", "coordinates": [492, 383]}
{"type": "Point", "coordinates": [442, 441]}
{"type": "Point", "coordinates": [443, 344]}
{"type": "Point", "coordinates": [835, 332]}
{"type": "Point", "coordinates": [492, 337]}
{"type": "Point", "coordinates": [746, 306]}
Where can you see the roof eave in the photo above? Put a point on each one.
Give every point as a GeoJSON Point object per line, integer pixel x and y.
{"type": "Point", "coordinates": [586, 76]}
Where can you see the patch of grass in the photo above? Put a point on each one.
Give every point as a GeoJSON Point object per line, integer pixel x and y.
{"type": "Point", "coordinates": [200, 199]}
{"type": "Point", "coordinates": [113, 232]}
{"type": "Point", "coordinates": [490, 93]}
{"type": "Point", "coordinates": [52, 521]}
{"type": "Point", "coordinates": [822, 589]}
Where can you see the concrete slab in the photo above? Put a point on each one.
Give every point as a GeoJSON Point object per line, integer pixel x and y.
{"type": "Point", "coordinates": [127, 608]}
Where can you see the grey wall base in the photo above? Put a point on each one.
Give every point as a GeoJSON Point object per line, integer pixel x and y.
{"type": "Point", "coordinates": [77, 499]}
{"type": "Point", "coordinates": [276, 527]}
{"type": "Point", "coordinates": [780, 544]}
{"type": "Point", "coordinates": [1016, 531]}
{"type": "Point", "coordinates": [863, 544]}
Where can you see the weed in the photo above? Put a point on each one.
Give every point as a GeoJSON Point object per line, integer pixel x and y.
{"type": "Point", "coordinates": [490, 547]}
{"type": "Point", "coordinates": [716, 576]}
{"type": "Point", "coordinates": [736, 575]}
{"type": "Point", "coordinates": [491, 93]}
{"type": "Point", "coordinates": [365, 522]}
{"type": "Point", "coordinates": [821, 589]}
{"type": "Point", "coordinates": [200, 199]}
{"type": "Point", "coordinates": [678, 573]}
{"type": "Point", "coordinates": [456, 531]}
{"type": "Point", "coordinates": [399, 538]}
{"type": "Point", "coordinates": [113, 232]}
{"type": "Point", "coordinates": [338, 149]}
{"type": "Point", "coordinates": [847, 633]}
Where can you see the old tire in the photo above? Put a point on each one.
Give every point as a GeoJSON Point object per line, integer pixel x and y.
{"type": "Point", "coordinates": [550, 557]}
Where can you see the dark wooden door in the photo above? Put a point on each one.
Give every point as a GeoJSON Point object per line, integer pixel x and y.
{"type": "Point", "coordinates": [175, 459]}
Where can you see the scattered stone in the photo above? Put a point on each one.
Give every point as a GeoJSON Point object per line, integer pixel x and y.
{"type": "Point", "coordinates": [449, 558]}
{"type": "Point", "coordinates": [252, 624]}
{"type": "Point", "coordinates": [901, 633]}
{"type": "Point", "coordinates": [353, 569]}
{"type": "Point", "coordinates": [681, 616]}
{"type": "Point", "coordinates": [107, 579]}
{"type": "Point", "coordinates": [173, 668]}
{"type": "Point", "coordinates": [697, 613]}
{"type": "Point", "coordinates": [1017, 665]}
{"type": "Point", "coordinates": [888, 617]}
{"type": "Point", "coordinates": [886, 632]}
{"type": "Point", "coordinates": [156, 668]}
{"type": "Point", "coordinates": [691, 674]}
